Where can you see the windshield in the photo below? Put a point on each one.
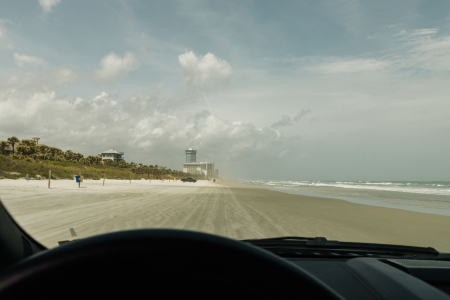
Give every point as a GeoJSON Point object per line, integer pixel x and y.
{"type": "Point", "coordinates": [246, 119]}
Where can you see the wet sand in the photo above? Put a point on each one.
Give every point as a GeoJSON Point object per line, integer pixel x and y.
{"type": "Point", "coordinates": [229, 210]}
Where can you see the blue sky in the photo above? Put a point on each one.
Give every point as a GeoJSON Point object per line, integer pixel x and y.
{"type": "Point", "coordinates": [266, 89]}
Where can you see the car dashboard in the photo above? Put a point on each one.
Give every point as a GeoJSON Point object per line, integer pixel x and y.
{"type": "Point", "coordinates": [374, 278]}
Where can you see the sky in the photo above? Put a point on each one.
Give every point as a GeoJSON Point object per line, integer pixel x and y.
{"type": "Point", "coordinates": [287, 90]}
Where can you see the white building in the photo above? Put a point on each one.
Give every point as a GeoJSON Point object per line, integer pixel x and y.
{"type": "Point", "coordinates": [112, 154]}
{"type": "Point", "coordinates": [208, 169]}
{"type": "Point", "coordinates": [205, 169]}
{"type": "Point", "coordinates": [192, 168]}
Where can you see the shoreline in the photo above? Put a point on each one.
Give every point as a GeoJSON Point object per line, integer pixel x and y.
{"type": "Point", "coordinates": [365, 201]}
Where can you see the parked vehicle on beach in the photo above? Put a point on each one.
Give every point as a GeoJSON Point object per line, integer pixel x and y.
{"type": "Point", "coordinates": [188, 179]}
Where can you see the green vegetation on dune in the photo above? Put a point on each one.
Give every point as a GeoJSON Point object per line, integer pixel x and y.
{"type": "Point", "coordinates": [37, 160]}
{"type": "Point", "coordinates": [66, 170]}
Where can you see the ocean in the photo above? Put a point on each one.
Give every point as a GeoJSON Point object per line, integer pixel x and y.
{"type": "Point", "coordinates": [418, 196]}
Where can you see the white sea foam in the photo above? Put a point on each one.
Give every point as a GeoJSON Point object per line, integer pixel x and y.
{"type": "Point", "coordinates": [430, 188]}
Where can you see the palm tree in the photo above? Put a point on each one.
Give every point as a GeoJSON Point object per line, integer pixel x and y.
{"type": "Point", "coordinates": [26, 150]}
{"type": "Point", "coordinates": [28, 142]}
{"type": "Point", "coordinates": [3, 145]}
{"type": "Point", "coordinates": [40, 149]}
{"type": "Point", "coordinates": [92, 159]}
{"type": "Point", "coordinates": [68, 154]}
{"type": "Point", "coordinates": [44, 148]}
{"type": "Point", "coordinates": [56, 151]}
{"type": "Point", "coordinates": [78, 156]}
{"type": "Point", "coordinates": [12, 141]}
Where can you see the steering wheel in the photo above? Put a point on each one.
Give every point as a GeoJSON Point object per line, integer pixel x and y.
{"type": "Point", "coordinates": [155, 262]}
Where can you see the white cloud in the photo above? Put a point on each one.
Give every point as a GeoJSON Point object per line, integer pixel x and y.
{"type": "Point", "coordinates": [138, 125]}
{"type": "Point", "coordinates": [113, 67]}
{"type": "Point", "coordinates": [22, 59]}
{"type": "Point", "coordinates": [424, 31]}
{"type": "Point", "coordinates": [427, 50]}
{"type": "Point", "coordinates": [102, 122]}
{"type": "Point", "coordinates": [48, 4]}
{"type": "Point", "coordinates": [416, 33]}
{"type": "Point", "coordinates": [349, 65]}
{"type": "Point", "coordinates": [205, 73]}
{"type": "Point", "coordinates": [422, 48]}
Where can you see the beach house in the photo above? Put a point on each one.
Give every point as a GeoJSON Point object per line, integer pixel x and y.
{"type": "Point", "coordinates": [112, 154]}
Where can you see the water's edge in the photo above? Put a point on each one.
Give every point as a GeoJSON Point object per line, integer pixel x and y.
{"type": "Point", "coordinates": [422, 203]}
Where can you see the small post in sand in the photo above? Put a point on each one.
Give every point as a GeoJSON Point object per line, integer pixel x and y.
{"type": "Point", "coordinates": [49, 176]}
{"type": "Point", "coordinates": [79, 182]}
{"type": "Point", "coordinates": [130, 178]}
{"type": "Point", "coordinates": [104, 175]}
